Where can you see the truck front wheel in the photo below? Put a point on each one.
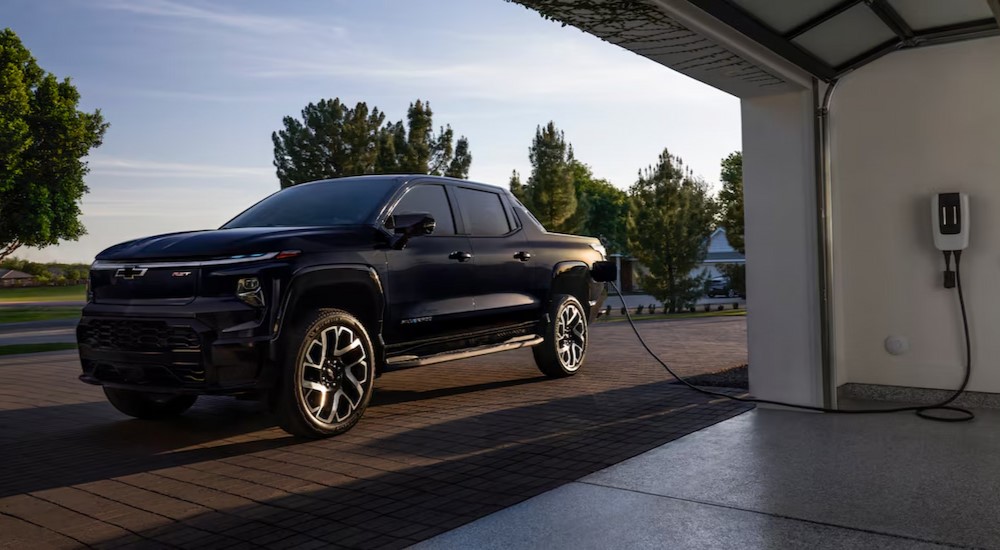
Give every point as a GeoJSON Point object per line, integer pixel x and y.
{"type": "Point", "coordinates": [328, 376]}
{"type": "Point", "coordinates": [565, 345]}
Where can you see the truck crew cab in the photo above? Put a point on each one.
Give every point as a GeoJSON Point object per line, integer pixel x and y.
{"type": "Point", "coordinates": [309, 295]}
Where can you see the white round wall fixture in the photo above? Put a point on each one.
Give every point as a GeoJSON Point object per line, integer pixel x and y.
{"type": "Point", "coordinates": [897, 345]}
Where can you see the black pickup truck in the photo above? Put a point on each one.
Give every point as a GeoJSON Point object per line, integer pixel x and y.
{"type": "Point", "coordinates": [309, 295]}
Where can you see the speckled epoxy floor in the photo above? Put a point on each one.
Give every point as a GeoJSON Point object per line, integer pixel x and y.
{"type": "Point", "coordinates": [776, 479]}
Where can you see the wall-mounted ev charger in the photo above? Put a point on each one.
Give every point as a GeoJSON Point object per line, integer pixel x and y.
{"type": "Point", "coordinates": [950, 224]}
{"type": "Point", "coordinates": [950, 221]}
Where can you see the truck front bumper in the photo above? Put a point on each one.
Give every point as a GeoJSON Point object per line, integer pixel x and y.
{"type": "Point", "coordinates": [213, 347]}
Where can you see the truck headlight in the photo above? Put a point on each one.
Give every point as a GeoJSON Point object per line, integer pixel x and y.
{"type": "Point", "coordinates": [248, 289]}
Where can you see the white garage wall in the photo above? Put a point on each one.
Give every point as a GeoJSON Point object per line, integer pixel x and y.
{"type": "Point", "coordinates": [781, 242]}
{"type": "Point", "coordinates": [910, 125]}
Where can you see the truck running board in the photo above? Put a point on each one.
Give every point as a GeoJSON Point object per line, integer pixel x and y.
{"type": "Point", "coordinates": [407, 361]}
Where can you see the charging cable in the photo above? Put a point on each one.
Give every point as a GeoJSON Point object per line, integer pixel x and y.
{"type": "Point", "coordinates": [923, 411]}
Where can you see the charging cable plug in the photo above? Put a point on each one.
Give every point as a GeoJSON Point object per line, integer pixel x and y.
{"type": "Point", "coordinates": [949, 275]}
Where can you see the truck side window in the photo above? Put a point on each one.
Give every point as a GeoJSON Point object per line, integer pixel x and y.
{"type": "Point", "coordinates": [484, 212]}
{"type": "Point", "coordinates": [433, 200]}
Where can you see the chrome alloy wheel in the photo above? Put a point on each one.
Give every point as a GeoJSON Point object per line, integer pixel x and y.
{"type": "Point", "coordinates": [571, 337]}
{"type": "Point", "coordinates": [334, 375]}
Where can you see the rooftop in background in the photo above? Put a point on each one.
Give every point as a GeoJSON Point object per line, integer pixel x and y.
{"type": "Point", "coordinates": [13, 274]}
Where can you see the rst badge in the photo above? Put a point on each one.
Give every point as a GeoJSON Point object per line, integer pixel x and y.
{"type": "Point", "coordinates": [180, 273]}
{"type": "Point", "coordinates": [129, 273]}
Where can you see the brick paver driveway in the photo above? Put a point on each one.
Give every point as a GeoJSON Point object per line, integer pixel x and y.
{"type": "Point", "coordinates": [440, 446]}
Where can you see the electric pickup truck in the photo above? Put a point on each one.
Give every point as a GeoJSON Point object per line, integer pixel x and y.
{"type": "Point", "coordinates": [309, 295]}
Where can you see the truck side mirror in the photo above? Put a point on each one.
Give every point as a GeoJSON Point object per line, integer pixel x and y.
{"type": "Point", "coordinates": [604, 272]}
{"type": "Point", "coordinates": [409, 225]}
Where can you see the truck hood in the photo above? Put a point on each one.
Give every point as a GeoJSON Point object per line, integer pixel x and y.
{"type": "Point", "coordinates": [221, 243]}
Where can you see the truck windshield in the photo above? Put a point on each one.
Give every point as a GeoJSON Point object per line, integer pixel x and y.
{"type": "Point", "coordinates": [335, 202]}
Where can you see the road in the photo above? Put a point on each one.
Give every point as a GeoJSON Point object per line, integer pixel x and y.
{"type": "Point", "coordinates": [38, 332]}
{"type": "Point", "coordinates": [42, 304]}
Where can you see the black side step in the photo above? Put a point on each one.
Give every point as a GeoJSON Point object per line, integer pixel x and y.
{"type": "Point", "coordinates": [408, 361]}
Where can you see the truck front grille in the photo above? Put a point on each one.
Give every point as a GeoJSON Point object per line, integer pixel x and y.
{"type": "Point", "coordinates": [128, 335]}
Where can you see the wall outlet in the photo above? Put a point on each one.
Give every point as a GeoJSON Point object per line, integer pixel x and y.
{"type": "Point", "coordinates": [897, 345]}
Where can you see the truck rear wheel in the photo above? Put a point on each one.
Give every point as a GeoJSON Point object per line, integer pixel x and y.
{"type": "Point", "coordinates": [149, 406]}
{"type": "Point", "coordinates": [565, 345]}
{"type": "Point", "coordinates": [328, 376]}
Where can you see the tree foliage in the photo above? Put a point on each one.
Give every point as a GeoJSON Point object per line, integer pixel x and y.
{"type": "Point", "coordinates": [43, 138]}
{"type": "Point", "coordinates": [550, 193]}
{"type": "Point", "coordinates": [564, 194]}
{"type": "Point", "coordinates": [602, 209]}
{"type": "Point", "coordinates": [47, 272]}
{"type": "Point", "coordinates": [333, 140]}
{"type": "Point", "coordinates": [731, 200]}
{"type": "Point", "coordinates": [670, 219]}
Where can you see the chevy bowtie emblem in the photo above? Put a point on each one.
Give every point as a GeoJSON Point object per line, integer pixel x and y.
{"type": "Point", "coordinates": [129, 273]}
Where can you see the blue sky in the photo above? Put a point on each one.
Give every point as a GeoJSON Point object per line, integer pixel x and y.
{"type": "Point", "coordinates": [193, 91]}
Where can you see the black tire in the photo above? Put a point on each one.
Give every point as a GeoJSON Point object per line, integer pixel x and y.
{"type": "Point", "coordinates": [323, 395]}
{"type": "Point", "coordinates": [566, 337]}
{"type": "Point", "coordinates": [149, 406]}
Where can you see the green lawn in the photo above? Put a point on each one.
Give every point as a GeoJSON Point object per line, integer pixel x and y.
{"type": "Point", "coordinates": [15, 349]}
{"type": "Point", "coordinates": [26, 314]}
{"type": "Point", "coordinates": [43, 294]}
{"type": "Point", "coordinates": [616, 315]}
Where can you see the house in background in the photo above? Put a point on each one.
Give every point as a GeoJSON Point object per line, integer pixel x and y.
{"type": "Point", "coordinates": [720, 252]}
{"type": "Point", "coordinates": [11, 277]}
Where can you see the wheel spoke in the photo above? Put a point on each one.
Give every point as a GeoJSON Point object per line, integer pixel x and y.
{"type": "Point", "coordinates": [357, 387]}
{"type": "Point", "coordinates": [353, 345]}
{"type": "Point", "coordinates": [334, 406]}
{"type": "Point", "coordinates": [335, 411]}
{"type": "Point", "coordinates": [322, 402]}
{"type": "Point", "coordinates": [314, 386]}
{"type": "Point", "coordinates": [309, 353]}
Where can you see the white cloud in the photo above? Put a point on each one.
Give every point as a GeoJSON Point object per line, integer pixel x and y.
{"type": "Point", "coordinates": [135, 168]}
{"type": "Point", "coordinates": [571, 68]}
{"type": "Point", "coordinates": [179, 95]}
{"type": "Point", "coordinates": [259, 24]}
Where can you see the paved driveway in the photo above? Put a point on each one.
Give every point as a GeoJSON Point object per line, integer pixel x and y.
{"type": "Point", "coordinates": [440, 446]}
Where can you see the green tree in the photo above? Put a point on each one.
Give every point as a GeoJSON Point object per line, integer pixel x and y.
{"type": "Point", "coordinates": [670, 219]}
{"type": "Point", "coordinates": [43, 138]}
{"type": "Point", "coordinates": [461, 161]}
{"type": "Point", "coordinates": [602, 209]}
{"type": "Point", "coordinates": [333, 140]}
{"type": "Point", "coordinates": [731, 200]}
{"type": "Point", "coordinates": [516, 187]}
{"type": "Point", "coordinates": [550, 193]}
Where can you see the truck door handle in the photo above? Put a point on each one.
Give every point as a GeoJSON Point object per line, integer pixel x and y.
{"type": "Point", "coordinates": [460, 256]}
{"type": "Point", "coordinates": [523, 256]}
